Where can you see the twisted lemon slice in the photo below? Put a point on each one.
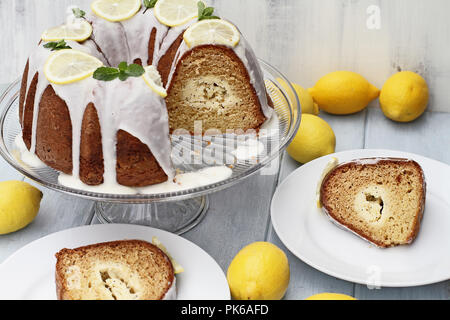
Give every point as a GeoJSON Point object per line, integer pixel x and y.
{"type": "Point", "coordinates": [116, 10]}
{"type": "Point", "coordinates": [173, 13]}
{"type": "Point", "coordinates": [68, 66]}
{"type": "Point", "coordinates": [177, 268]}
{"type": "Point", "coordinates": [153, 80]}
{"type": "Point", "coordinates": [212, 32]}
{"type": "Point", "coordinates": [79, 31]}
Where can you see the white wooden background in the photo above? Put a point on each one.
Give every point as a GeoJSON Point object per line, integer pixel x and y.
{"type": "Point", "coordinates": [305, 39]}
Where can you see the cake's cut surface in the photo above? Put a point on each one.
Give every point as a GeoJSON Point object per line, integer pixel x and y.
{"type": "Point", "coordinates": [211, 85]}
{"type": "Point", "coordinates": [381, 200]}
{"type": "Point", "coordinates": [120, 270]}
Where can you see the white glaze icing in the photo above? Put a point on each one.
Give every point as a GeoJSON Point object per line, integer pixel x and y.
{"type": "Point", "coordinates": [181, 182]}
{"type": "Point", "coordinates": [249, 150]}
{"type": "Point", "coordinates": [373, 161]}
{"type": "Point", "coordinates": [128, 105]}
{"type": "Point", "coordinates": [28, 158]}
{"type": "Point", "coordinates": [333, 163]}
{"type": "Point", "coordinates": [190, 180]}
{"type": "Point", "coordinates": [171, 294]}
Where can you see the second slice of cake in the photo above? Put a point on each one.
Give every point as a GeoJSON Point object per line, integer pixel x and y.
{"type": "Point", "coordinates": [381, 200]}
{"type": "Point", "coordinates": [119, 270]}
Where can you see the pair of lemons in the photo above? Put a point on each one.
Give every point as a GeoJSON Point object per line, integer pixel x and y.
{"type": "Point", "coordinates": [403, 98]}
{"type": "Point", "coordinates": [260, 271]}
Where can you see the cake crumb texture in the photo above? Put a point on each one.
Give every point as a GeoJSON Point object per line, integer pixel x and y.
{"type": "Point", "coordinates": [212, 85]}
{"type": "Point", "coordinates": [120, 270]}
{"type": "Point", "coordinates": [380, 200]}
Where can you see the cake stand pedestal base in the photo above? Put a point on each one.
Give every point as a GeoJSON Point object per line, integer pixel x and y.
{"type": "Point", "coordinates": [176, 217]}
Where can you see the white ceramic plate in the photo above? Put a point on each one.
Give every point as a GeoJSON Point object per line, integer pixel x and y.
{"type": "Point", "coordinates": [29, 274]}
{"type": "Point", "coordinates": [311, 236]}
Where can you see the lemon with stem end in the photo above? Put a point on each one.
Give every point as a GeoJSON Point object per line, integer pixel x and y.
{"type": "Point", "coordinates": [19, 205]}
{"type": "Point", "coordinates": [343, 92]}
{"type": "Point", "coordinates": [260, 271]}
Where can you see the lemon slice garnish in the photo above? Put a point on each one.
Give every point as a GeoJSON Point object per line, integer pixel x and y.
{"type": "Point", "coordinates": [212, 32]}
{"type": "Point", "coordinates": [116, 10]}
{"type": "Point", "coordinates": [153, 80]}
{"type": "Point", "coordinates": [173, 13]}
{"type": "Point", "coordinates": [67, 66]}
{"type": "Point", "coordinates": [79, 31]}
{"type": "Point", "coordinates": [177, 268]}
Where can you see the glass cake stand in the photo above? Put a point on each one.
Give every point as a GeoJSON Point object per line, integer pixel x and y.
{"type": "Point", "coordinates": [176, 212]}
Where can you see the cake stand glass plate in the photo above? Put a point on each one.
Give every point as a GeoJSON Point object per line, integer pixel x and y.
{"type": "Point", "coordinates": [203, 278]}
{"type": "Point", "coordinates": [176, 211]}
{"type": "Point", "coordinates": [314, 239]}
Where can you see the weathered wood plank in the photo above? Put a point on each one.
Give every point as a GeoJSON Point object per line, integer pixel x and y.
{"type": "Point", "coordinates": [428, 136]}
{"type": "Point", "coordinates": [237, 217]}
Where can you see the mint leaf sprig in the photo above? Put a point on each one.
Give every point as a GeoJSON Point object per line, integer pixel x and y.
{"type": "Point", "coordinates": [149, 4]}
{"type": "Point", "coordinates": [123, 72]}
{"type": "Point", "coordinates": [78, 13]}
{"type": "Point", "coordinates": [57, 45]}
{"type": "Point", "coordinates": [205, 13]}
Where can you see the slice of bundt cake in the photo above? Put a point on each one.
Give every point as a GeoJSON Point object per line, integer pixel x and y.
{"type": "Point", "coordinates": [120, 270]}
{"type": "Point", "coordinates": [381, 200]}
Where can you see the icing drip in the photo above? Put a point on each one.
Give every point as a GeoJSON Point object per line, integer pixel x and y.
{"type": "Point", "coordinates": [128, 40]}
{"type": "Point", "coordinates": [36, 65]}
{"type": "Point", "coordinates": [132, 106]}
{"type": "Point", "coordinates": [129, 105]}
{"type": "Point", "coordinates": [248, 57]}
{"type": "Point", "coordinates": [171, 294]}
{"type": "Point", "coordinates": [169, 39]}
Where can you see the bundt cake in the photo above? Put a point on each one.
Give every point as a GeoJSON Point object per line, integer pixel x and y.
{"type": "Point", "coordinates": [109, 132]}
{"type": "Point", "coordinates": [380, 200]}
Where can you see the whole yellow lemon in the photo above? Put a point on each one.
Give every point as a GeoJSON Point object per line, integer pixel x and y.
{"type": "Point", "coordinates": [260, 271]}
{"type": "Point", "coordinates": [343, 92]}
{"type": "Point", "coordinates": [314, 139]}
{"type": "Point", "coordinates": [330, 296]}
{"type": "Point", "coordinates": [404, 97]}
{"type": "Point", "coordinates": [19, 205]}
{"type": "Point", "coordinates": [307, 103]}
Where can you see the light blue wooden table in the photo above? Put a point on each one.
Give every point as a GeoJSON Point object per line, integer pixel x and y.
{"type": "Point", "coordinates": [304, 39]}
